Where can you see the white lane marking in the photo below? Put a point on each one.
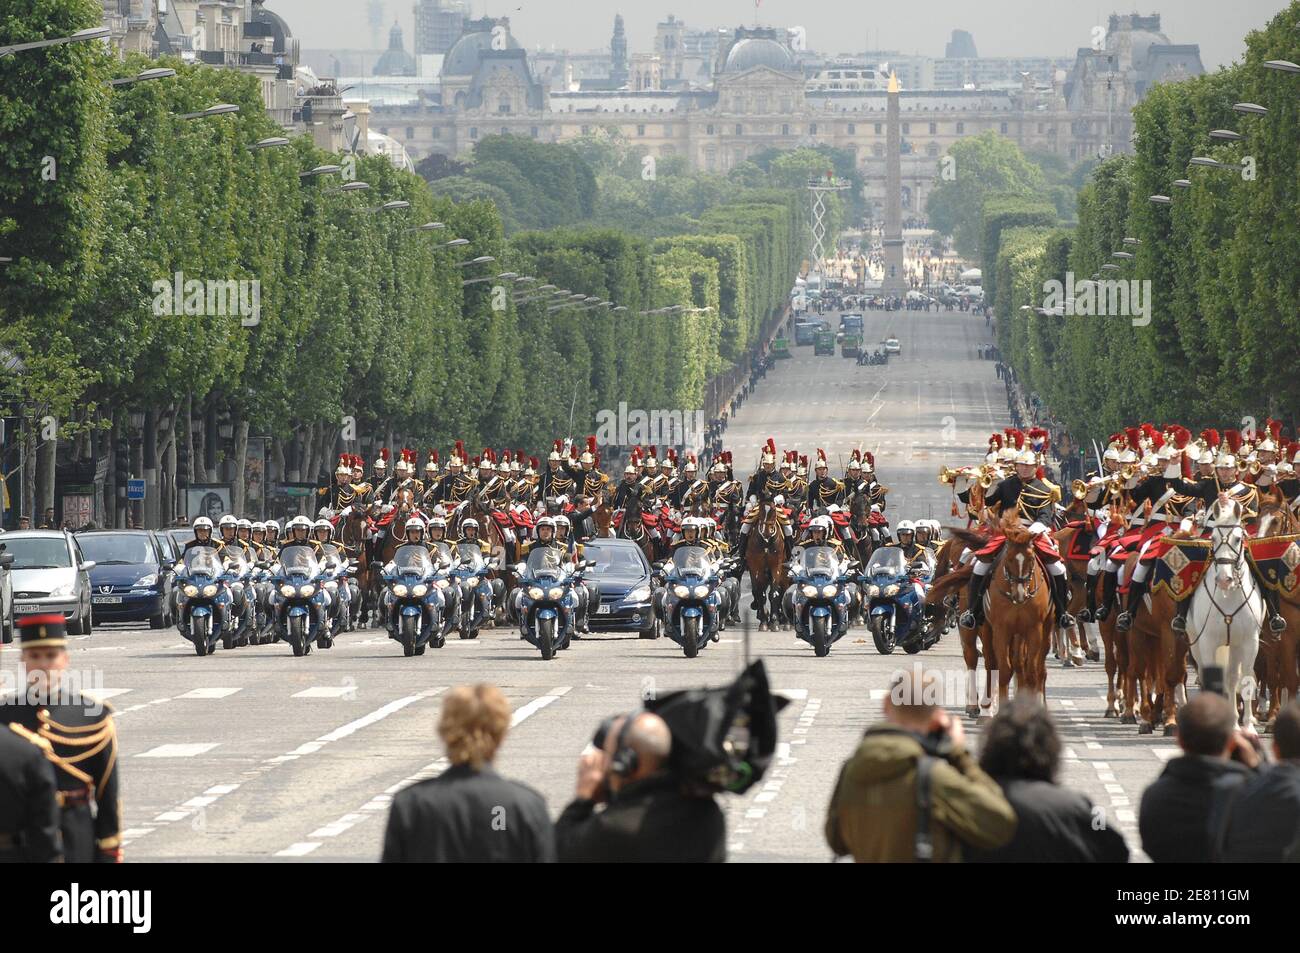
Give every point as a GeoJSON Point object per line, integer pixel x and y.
{"type": "Point", "coordinates": [778, 772]}
{"type": "Point", "coordinates": [210, 693]}
{"type": "Point", "coordinates": [218, 791]}
{"type": "Point", "coordinates": [104, 694]}
{"type": "Point", "coordinates": [380, 802]}
{"type": "Point", "coordinates": [326, 691]}
{"type": "Point", "coordinates": [1165, 752]}
{"type": "Point", "coordinates": [178, 750]}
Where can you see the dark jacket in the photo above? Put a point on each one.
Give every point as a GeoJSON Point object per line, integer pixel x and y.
{"type": "Point", "coordinates": [873, 813]}
{"type": "Point", "coordinates": [1176, 809]}
{"type": "Point", "coordinates": [650, 821]}
{"type": "Point", "coordinates": [1054, 825]}
{"type": "Point", "coordinates": [29, 810]}
{"type": "Point", "coordinates": [1263, 822]}
{"type": "Point", "coordinates": [469, 815]}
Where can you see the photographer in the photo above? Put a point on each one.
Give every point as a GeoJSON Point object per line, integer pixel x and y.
{"type": "Point", "coordinates": [1262, 823]}
{"type": "Point", "coordinates": [917, 758]}
{"type": "Point", "coordinates": [647, 816]}
{"type": "Point", "coordinates": [1179, 806]}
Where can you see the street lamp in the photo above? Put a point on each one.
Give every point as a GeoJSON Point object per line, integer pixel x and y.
{"type": "Point", "coordinates": [1205, 162]}
{"type": "Point", "coordinates": [1225, 135]}
{"type": "Point", "coordinates": [320, 170]}
{"type": "Point", "coordinates": [94, 33]}
{"type": "Point", "coordinates": [1283, 66]}
{"type": "Point", "coordinates": [144, 76]}
{"type": "Point", "coordinates": [1160, 200]}
{"type": "Point", "coordinates": [1249, 109]}
{"type": "Point", "coordinates": [1182, 183]}
{"type": "Point", "coordinates": [273, 142]}
{"type": "Point", "coordinates": [476, 281]}
{"type": "Point", "coordinates": [427, 227]}
{"type": "Point", "coordinates": [393, 206]}
{"type": "Point", "coordinates": [218, 110]}
{"type": "Point", "coordinates": [1132, 241]}
{"type": "Point", "coordinates": [454, 243]}
{"type": "Point", "coordinates": [480, 260]}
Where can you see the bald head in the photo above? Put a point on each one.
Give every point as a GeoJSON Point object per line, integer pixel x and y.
{"type": "Point", "coordinates": [649, 737]}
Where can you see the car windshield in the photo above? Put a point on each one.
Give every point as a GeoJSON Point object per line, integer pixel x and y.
{"type": "Point", "coordinates": [546, 559]}
{"type": "Point", "coordinates": [412, 559]}
{"type": "Point", "coordinates": [820, 559]}
{"type": "Point", "coordinates": [888, 560]}
{"type": "Point", "coordinates": [692, 559]}
{"type": "Point", "coordinates": [117, 549]}
{"type": "Point", "coordinates": [299, 559]}
{"type": "Point", "coordinates": [39, 552]}
{"type": "Point", "coordinates": [202, 561]}
{"type": "Point", "coordinates": [615, 560]}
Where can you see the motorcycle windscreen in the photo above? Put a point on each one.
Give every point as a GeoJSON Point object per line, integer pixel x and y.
{"type": "Point", "coordinates": [546, 561]}
{"type": "Point", "coordinates": [413, 560]}
{"type": "Point", "coordinates": [299, 560]}
{"type": "Point", "coordinates": [469, 554]}
{"type": "Point", "coordinates": [887, 561]}
{"type": "Point", "coordinates": [202, 561]}
{"type": "Point", "coordinates": [691, 560]}
{"type": "Point", "coordinates": [819, 561]}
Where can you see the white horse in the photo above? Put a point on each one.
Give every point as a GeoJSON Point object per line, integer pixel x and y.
{"type": "Point", "coordinates": [1227, 610]}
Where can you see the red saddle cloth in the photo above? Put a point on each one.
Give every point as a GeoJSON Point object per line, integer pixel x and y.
{"type": "Point", "coordinates": [503, 519]}
{"type": "Point", "coordinates": [1078, 550]}
{"type": "Point", "coordinates": [523, 519]}
{"type": "Point", "coordinates": [1044, 547]}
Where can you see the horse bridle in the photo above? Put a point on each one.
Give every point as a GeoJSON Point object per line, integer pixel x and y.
{"type": "Point", "coordinates": [1030, 581]}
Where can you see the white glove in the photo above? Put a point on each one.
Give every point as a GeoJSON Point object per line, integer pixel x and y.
{"type": "Point", "coordinates": [779, 500]}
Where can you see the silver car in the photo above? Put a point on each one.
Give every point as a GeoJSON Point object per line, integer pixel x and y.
{"type": "Point", "coordinates": [6, 595]}
{"type": "Point", "coordinates": [49, 574]}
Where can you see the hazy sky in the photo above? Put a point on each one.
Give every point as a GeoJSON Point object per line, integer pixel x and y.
{"type": "Point", "coordinates": [1000, 27]}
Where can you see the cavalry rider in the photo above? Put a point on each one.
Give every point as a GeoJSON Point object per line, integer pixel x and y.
{"type": "Point", "coordinates": [1033, 499]}
{"type": "Point", "coordinates": [1100, 494]}
{"type": "Point", "coordinates": [363, 488]}
{"type": "Point", "coordinates": [457, 485]}
{"type": "Point", "coordinates": [381, 481]}
{"type": "Point", "coordinates": [593, 479]}
{"type": "Point", "coordinates": [405, 476]}
{"type": "Point", "coordinates": [342, 493]}
{"type": "Point", "coordinates": [786, 470]}
{"type": "Point", "coordinates": [629, 487]}
{"type": "Point", "coordinates": [491, 492]}
{"type": "Point", "coordinates": [649, 474]}
{"type": "Point", "coordinates": [726, 491]}
{"type": "Point", "coordinates": [873, 488]}
{"type": "Point", "coordinates": [432, 478]}
{"type": "Point", "coordinates": [666, 481]}
{"type": "Point", "coordinates": [559, 479]}
{"type": "Point", "coordinates": [765, 486]}
{"type": "Point", "coordinates": [690, 491]}
{"type": "Point", "coordinates": [823, 490]}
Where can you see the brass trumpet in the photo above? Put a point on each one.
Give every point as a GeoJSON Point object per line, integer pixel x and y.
{"type": "Point", "coordinates": [948, 475]}
{"type": "Point", "coordinates": [1255, 466]}
{"type": "Point", "coordinates": [1078, 489]}
{"type": "Point", "coordinates": [989, 475]}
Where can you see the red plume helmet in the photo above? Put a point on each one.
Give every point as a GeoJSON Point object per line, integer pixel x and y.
{"type": "Point", "coordinates": [871, 460]}
{"type": "Point", "coordinates": [1211, 438]}
{"type": "Point", "coordinates": [1233, 439]}
{"type": "Point", "coordinates": [383, 454]}
{"type": "Point", "coordinates": [1134, 436]}
{"type": "Point", "coordinates": [591, 444]}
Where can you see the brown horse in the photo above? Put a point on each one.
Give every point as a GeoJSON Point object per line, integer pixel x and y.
{"type": "Point", "coordinates": [603, 514]}
{"type": "Point", "coordinates": [353, 536]}
{"type": "Point", "coordinates": [1018, 610]}
{"type": "Point", "coordinates": [1079, 645]}
{"type": "Point", "coordinates": [1278, 662]}
{"type": "Point", "coordinates": [765, 559]}
{"type": "Point", "coordinates": [1157, 663]}
{"type": "Point", "coordinates": [974, 642]}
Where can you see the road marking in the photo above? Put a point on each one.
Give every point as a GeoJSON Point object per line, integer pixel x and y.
{"type": "Point", "coordinates": [178, 750]}
{"type": "Point", "coordinates": [381, 802]}
{"type": "Point", "coordinates": [104, 694]}
{"type": "Point", "coordinates": [210, 693]}
{"type": "Point", "coordinates": [778, 772]}
{"type": "Point", "coordinates": [326, 691]}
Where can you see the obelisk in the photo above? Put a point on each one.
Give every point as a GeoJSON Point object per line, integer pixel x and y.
{"type": "Point", "coordinates": [895, 282]}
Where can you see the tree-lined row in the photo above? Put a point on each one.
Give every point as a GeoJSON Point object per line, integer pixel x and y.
{"type": "Point", "coordinates": [1211, 340]}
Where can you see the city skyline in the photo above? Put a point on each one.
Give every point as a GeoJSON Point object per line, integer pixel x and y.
{"type": "Point", "coordinates": [1051, 29]}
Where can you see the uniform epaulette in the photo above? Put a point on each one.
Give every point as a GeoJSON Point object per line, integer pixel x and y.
{"type": "Point", "coordinates": [33, 737]}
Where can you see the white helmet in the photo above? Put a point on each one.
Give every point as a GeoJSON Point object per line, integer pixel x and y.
{"type": "Point", "coordinates": [228, 520]}
{"type": "Point", "coordinates": [562, 520]}
{"type": "Point", "coordinates": [244, 524]}
{"type": "Point", "coordinates": [413, 522]}
{"type": "Point", "coordinates": [203, 523]}
{"type": "Point", "coordinates": [259, 526]}
{"type": "Point", "coordinates": [546, 521]}
{"type": "Point", "coordinates": [467, 523]}
{"type": "Point", "coordinates": [436, 520]}
{"type": "Point", "coordinates": [298, 521]}
{"type": "Point", "coordinates": [323, 523]}
{"type": "Point", "coordinates": [822, 523]}
{"type": "Point", "coordinates": [273, 526]}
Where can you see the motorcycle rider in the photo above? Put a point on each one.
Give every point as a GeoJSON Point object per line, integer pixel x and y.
{"type": "Point", "coordinates": [202, 537]}
{"type": "Point", "coordinates": [228, 526]}
{"type": "Point", "coordinates": [494, 591]}
{"type": "Point", "coordinates": [906, 539]}
{"type": "Point", "coordinates": [272, 541]}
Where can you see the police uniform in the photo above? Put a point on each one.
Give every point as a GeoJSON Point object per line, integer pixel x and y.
{"type": "Point", "coordinates": [83, 749]}
{"type": "Point", "coordinates": [29, 805]}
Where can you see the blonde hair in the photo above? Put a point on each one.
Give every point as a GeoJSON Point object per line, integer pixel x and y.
{"type": "Point", "coordinates": [473, 723]}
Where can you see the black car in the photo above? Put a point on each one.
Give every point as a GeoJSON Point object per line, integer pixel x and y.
{"type": "Point", "coordinates": [131, 580]}
{"type": "Point", "coordinates": [623, 575]}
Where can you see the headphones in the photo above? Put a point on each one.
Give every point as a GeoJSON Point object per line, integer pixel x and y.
{"type": "Point", "coordinates": [624, 760]}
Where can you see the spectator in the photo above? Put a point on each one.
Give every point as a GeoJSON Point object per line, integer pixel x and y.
{"type": "Point", "coordinates": [469, 812]}
{"type": "Point", "coordinates": [47, 522]}
{"type": "Point", "coordinates": [24, 522]}
{"type": "Point", "coordinates": [1022, 752]}
{"type": "Point", "coordinates": [873, 812]}
{"type": "Point", "coordinates": [648, 817]}
{"type": "Point", "coordinates": [1177, 807]}
{"type": "Point", "coordinates": [1262, 817]}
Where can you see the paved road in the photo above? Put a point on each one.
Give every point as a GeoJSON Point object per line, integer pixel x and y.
{"type": "Point", "coordinates": [253, 754]}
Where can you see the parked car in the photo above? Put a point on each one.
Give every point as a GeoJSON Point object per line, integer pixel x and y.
{"type": "Point", "coordinates": [805, 332]}
{"type": "Point", "coordinates": [50, 574]}
{"type": "Point", "coordinates": [892, 346]}
{"type": "Point", "coordinates": [6, 596]}
{"type": "Point", "coordinates": [132, 580]}
{"type": "Point", "coordinates": [623, 576]}
{"type": "Point", "coordinates": [179, 536]}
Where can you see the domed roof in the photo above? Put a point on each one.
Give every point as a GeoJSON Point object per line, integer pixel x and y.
{"type": "Point", "coordinates": [463, 58]}
{"type": "Point", "coordinates": [758, 51]}
{"type": "Point", "coordinates": [395, 61]}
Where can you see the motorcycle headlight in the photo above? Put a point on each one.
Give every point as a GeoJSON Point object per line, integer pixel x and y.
{"type": "Point", "coordinates": [681, 592]}
{"type": "Point", "coordinates": [400, 591]}
{"type": "Point", "coordinates": [191, 591]}
{"type": "Point", "coordinates": [535, 592]}
{"type": "Point", "coordinates": [472, 581]}
{"type": "Point", "coordinates": [306, 591]}
{"type": "Point", "coordinates": [830, 591]}
{"type": "Point", "coordinates": [441, 583]}
{"type": "Point", "coordinates": [209, 591]}
{"type": "Point", "coordinates": [873, 591]}
{"type": "Point", "coordinates": [701, 592]}
{"type": "Point", "coordinates": [810, 591]}
{"type": "Point", "coordinates": [639, 595]}
{"type": "Point", "coordinates": [149, 580]}
{"type": "Point", "coordinates": [419, 590]}
{"type": "Point", "coordinates": [331, 585]}
{"type": "Point", "coordinates": [891, 590]}
{"type": "Point", "coordinates": [555, 592]}
{"type": "Point", "coordinates": [287, 591]}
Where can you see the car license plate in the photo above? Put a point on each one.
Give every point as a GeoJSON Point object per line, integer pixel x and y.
{"type": "Point", "coordinates": [605, 609]}
{"type": "Point", "coordinates": [106, 600]}
{"type": "Point", "coordinates": [27, 607]}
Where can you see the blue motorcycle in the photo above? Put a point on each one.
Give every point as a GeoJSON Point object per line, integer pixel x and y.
{"type": "Point", "coordinates": [895, 609]}
{"type": "Point", "coordinates": [299, 601]}
{"type": "Point", "coordinates": [547, 605]}
{"type": "Point", "coordinates": [204, 600]}
{"type": "Point", "coordinates": [689, 602]}
{"type": "Point", "coordinates": [338, 592]}
{"type": "Point", "coordinates": [823, 597]}
{"type": "Point", "coordinates": [473, 574]}
{"type": "Point", "coordinates": [413, 602]}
